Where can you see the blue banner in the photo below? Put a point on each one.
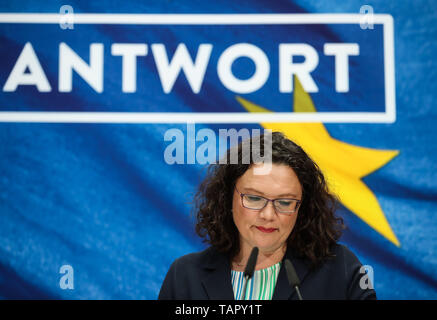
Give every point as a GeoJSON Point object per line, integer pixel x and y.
{"type": "Point", "coordinates": [93, 97]}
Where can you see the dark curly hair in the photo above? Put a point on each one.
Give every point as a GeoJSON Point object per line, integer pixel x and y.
{"type": "Point", "coordinates": [317, 227]}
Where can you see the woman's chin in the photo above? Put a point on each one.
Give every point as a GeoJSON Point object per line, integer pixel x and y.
{"type": "Point", "coordinates": [267, 246]}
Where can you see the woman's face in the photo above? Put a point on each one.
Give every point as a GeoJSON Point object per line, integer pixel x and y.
{"type": "Point", "coordinates": [265, 228]}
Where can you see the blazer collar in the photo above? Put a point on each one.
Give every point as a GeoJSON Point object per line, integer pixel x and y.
{"type": "Point", "coordinates": [217, 276]}
{"type": "Point", "coordinates": [218, 283]}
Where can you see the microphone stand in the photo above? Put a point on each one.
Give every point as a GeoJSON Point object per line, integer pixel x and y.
{"type": "Point", "coordinates": [249, 270]}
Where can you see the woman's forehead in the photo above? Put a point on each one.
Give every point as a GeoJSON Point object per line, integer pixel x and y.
{"type": "Point", "coordinates": [280, 180]}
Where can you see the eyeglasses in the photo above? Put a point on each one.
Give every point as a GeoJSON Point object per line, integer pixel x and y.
{"type": "Point", "coordinates": [281, 205]}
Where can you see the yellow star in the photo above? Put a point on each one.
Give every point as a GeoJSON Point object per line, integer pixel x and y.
{"type": "Point", "coordinates": [343, 164]}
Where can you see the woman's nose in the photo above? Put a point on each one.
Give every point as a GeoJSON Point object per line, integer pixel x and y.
{"type": "Point", "coordinates": [268, 212]}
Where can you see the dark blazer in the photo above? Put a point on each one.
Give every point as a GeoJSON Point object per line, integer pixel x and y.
{"type": "Point", "coordinates": [207, 275]}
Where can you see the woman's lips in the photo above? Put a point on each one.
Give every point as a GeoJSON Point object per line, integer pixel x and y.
{"type": "Point", "coordinates": [266, 230]}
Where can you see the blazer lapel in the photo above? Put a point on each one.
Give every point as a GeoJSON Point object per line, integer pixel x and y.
{"type": "Point", "coordinates": [283, 290]}
{"type": "Point", "coordinates": [217, 282]}
{"type": "Point", "coordinates": [216, 278]}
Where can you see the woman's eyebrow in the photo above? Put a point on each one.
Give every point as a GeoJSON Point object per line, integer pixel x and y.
{"type": "Point", "coordinates": [278, 196]}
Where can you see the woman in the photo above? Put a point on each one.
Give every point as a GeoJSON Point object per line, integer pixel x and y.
{"type": "Point", "coordinates": [287, 212]}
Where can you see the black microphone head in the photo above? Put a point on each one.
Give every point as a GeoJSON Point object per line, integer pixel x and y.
{"type": "Point", "coordinates": [250, 266]}
{"type": "Point", "coordinates": [293, 279]}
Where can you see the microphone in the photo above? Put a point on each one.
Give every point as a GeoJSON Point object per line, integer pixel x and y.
{"type": "Point", "coordinates": [293, 279]}
{"type": "Point", "coordinates": [250, 268]}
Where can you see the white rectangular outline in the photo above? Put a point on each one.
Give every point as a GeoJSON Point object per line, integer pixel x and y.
{"type": "Point", "coordinates": [389, 116]}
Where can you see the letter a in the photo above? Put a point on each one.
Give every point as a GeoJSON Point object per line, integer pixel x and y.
{"type": "Point", "coordinates": [36, 76]}
{"type": "Point", "coordinates": [67, 280]}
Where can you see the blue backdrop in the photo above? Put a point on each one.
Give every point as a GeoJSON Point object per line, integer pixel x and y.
{"type": "Point", "coordinates": [102, 199]}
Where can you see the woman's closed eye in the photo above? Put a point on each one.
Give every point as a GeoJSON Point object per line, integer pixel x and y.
{"type": "Point", "coordinates": [285, 203]}
{"type": "Point", "coordinates": [253, 198]}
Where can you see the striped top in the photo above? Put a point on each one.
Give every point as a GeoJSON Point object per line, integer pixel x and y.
{"type": "Point", "coordinates": [260, 287]}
